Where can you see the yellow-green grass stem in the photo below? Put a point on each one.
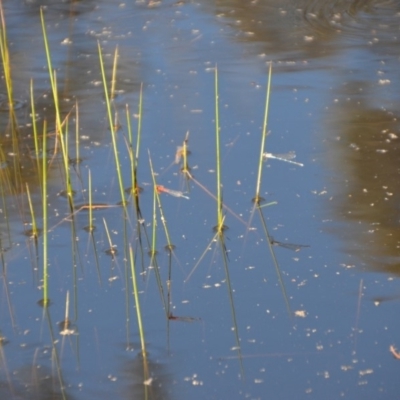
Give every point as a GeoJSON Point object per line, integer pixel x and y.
{"type": "Point", "coordinates": [91, 227]}
{"type": "Point", "coordinates": [112, 247]}
{"type": "Point", "coordinates": [137, 303]}
{"type": "Point", "coordinates": [169, 246]}
{"type": "Point", "coordinates": [53, 82]}
{"type": "Point", "coordinates": [129, 145]}
{"type": "Point", "coordinates": [13, 124]}
{"type": "Point", "coordinates": [218, 155]}
{"type": "Point", "coordinates": [35, 231]}
{"type": "Point", "coordinates": [139, 128]}
{"type": "Point", "coordinates": [153, 250]}
{"type": "Point", "coordinates": [34, 128]}
{"type": "Point", "coordinates": [5, 55]}
{"type": "Point", "coordinates": [185, 167]}
{"type": "Point", "coordinates": [112, 127]}
{"type": "Point", "coordinates": [129, 125]}
{"type": "Point", "coordinates": [114, 74]}
{"type": "Point", "coordinates": [45, 220]}
{"type": "Point", "coordinates": [77, 139]}
{"type": "Point", "coordinates": [257, 198]}
{"type": "Point", "coordinates": [65, 146]}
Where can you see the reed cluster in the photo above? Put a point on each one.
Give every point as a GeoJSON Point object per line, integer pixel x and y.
{"type": "Point", "coordinates": [139, 245]}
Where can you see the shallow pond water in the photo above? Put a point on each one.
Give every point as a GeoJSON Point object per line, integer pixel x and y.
{"type": "Point", "coordinates": [324, 325]}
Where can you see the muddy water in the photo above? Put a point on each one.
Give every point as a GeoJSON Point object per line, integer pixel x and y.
{"type": "Point", "coordinates": [325, 329]}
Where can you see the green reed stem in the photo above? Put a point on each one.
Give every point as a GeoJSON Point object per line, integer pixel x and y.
{"type": "Point", "coordinates": [128, 125]}
{"type": "Point", "coordinates": [129, 145]}
{"type": "Point", "coordinates": [65, 138]}
{"type": "Point", "coordinates": [153, 251]}
{"type": "Point", "coordinates": [139, 128]}
{"type": "Point", "coordinates": [91, 227]}
{"type": "Point", "coordinates": [170, 246]}
{"type": "Point", "coordinates": [53, 83]}
{"type": "Point", "coordinates": [108, 237]}
{"type": "Point", "coordinates": [34, 126]}
{"type": "Point", "coordinates": [218, 155]}
{"type": "Point", "coordinates": [49, 64]}
{"type": "Point", "coordinates": [154, 225]}
{"type": "Point", "coordinates": [185, 164]}
{"type": "Point", "coordinates": [44, 204]}
{"type": "Point", "coordinates": [263, 138]}
{"type": "Point", "coordinates": [13, 123]}
{"type": "Point", "coordinates": [77, 141]}
{"type": "Point", "coordinates": [59, 124]}
{"type": "Point", "coordinates": [114, 74]}
{"type": "Point", "coordinates": [137, 303]}
{"type": "Point", "coordinates": [35, 231]}
{"type": "Point", "coordinates": [112, 127]}
{"type": "Point", "coordinates": [220, 218]}
{"type": "Point", "coordinates": [5, 55]}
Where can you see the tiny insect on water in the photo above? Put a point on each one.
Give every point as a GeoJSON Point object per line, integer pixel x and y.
{"type": "Point", "coordinates": [287, 157]}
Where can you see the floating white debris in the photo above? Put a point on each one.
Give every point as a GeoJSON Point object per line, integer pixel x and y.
{"type": "Point", "coordinates": [300, 313]}
{"type": "Point", "coordinates": [66, 41]}
{"type": "Point", "coordinates": [366, 372]}
{"type": "Point", "coordinates": [148, 382]}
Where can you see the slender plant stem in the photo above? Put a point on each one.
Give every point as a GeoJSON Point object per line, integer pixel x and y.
{"type": "Point", "coordinates": [137, 302]}
{"type": "Point", "coordinates": [44, 203]}
{"type": "Point", "coordinates": [263, 138]}
{"type": "Point", "coordinates": [218, 155]}
{"type": "Point", "coordinates": [91, 226]}
{"type": "Point", "coordinates": [35, 232]}
{"type": "Point", "coordinates": [34, 127]}
{"type": "Point", "coordinates": [170, 246]}
{"type": "Point", "coordinates": [140, 111]}
{"type": "Point", "coordinates": [77, 150]}
{"type": "Point", "coordinates": [112, 127]}
{"type": "Point", "coordinates": [114, 74]}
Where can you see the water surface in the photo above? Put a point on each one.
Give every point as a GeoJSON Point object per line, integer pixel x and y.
{"type": "Point", "coordinates": [333, 101]}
